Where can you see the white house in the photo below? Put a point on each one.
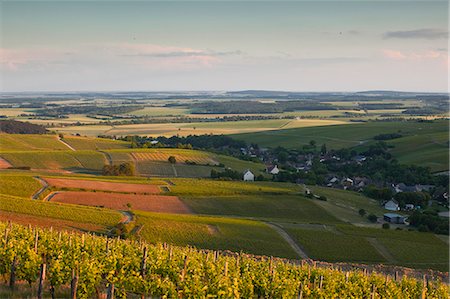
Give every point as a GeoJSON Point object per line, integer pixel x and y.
{"type": "Point", "coordinates": [391, 205]}
{"type": "Point", "coordinates": [273, 169]}
{"type": "Point", "coordinates": [249, 176]}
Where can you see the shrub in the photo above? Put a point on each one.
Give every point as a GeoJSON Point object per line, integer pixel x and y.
{"type": "Point", "coordinates": [386, 226]}
{"type": "Point", "coordinates": [172, 160]}
{"type": "Point", "coordinates": [362, 212]}
{"type": "Point", "coordinates": [372, 218]}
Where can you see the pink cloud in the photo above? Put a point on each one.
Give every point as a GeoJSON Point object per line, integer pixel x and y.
{"type": "Point", "coordinates": [402, 55]}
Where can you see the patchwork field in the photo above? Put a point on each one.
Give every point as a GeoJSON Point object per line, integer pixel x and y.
{"type": "Point", "coordinates": [213, 233]}
{"type": "Point", "coordinates": [200, 128]}
{"type": "Point", "coordinates": [150, 203]}
{"type": "Point", "coordinates": [4, 164]}
{"type": "Point", "coordinates": [182, 156]}
{"type": "Point", "coordinates": [102, 185]}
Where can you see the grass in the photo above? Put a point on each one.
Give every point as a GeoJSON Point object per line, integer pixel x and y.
{"type": "Point", "coordinates": [332, 247]}
{"type": "Point", "coordinates": [203, 187]}
{"type": "Point", "coordinates": [104, 217]}
{"type": "Point", "coordinates": [294, 208]}
{"type": "Point", "coordinates": [29, 142]}
{"type": "Point", "coordinates": [83, 143]}
{"type": "Point", "coordinates": [409, 248]}
{"type": "Point", "coordinates": [160, 111]}
{"type": "Point", "coordinates": [213, 233]}
{"type": "Point", "coordinates": [56, 160]}
{"type": "Point", "coordinates": [18, 185]}
{"type": "Point", "coordinates": [345, 205]}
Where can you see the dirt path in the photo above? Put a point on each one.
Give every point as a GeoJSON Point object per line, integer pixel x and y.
{"type": "Point", "coordinates": [44, 187]}
{"type": "Point", "coordinates": [174, 170]}
{"type": "Point", "coordinates": [108, 157]}
{"type": "Point", "coordinates": [50, 196]}
{"type": "Point", "coordinates": [382, 250]}
{"type": "Point", "coordinates": [127, 217]}
{"type": "Point", "coordinates": [288, 239]}
{"type": "Point", "coordinates": [65, 143]}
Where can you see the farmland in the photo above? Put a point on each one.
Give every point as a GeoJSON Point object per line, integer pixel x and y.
{"type": "Point", "coordinates": [199, 128]}
{"type": "Point", "coordinates": [18, 185]}
{"type": "Point", "coordinates": [66, 160]}
{"type": "Point", "coordinates": [103, 217]}
{"type": "Point", "coordinates": [213, 233]}
{"type": "Point", "coordinates": [150, 203]}
{"type": "Point", "coordinates": [83, 143]}
{"type": "Point", "coordinates": [101, 185]}
{"type": "Point", "coordinates": [24, 142]}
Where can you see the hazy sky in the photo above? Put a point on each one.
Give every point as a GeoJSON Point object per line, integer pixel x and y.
{"type": "Point", "coordinates": [298, 46]}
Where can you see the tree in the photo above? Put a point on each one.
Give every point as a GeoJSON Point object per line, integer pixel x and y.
{"type": "Point", "coordinates": [372, 218]}
{"type": "Point", "coordinates": [323, 149]}
{"type": "Point", "coordinates": [362, 212]}
{"type": "Point", "coordinates": [172, 160]}
{"type": "Point", "coordinates": [312, 143]}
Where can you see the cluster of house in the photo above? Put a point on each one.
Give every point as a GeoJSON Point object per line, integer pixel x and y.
{"type": "Point", "coordinates": [249, 176]}
{"type": "Point", "coordinates": [346, 183]}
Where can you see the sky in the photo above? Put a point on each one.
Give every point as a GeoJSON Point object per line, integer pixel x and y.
{"type": "Point", "coordinates": [224, 45]}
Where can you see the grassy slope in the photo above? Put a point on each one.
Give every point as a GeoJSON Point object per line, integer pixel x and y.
{"type": "Point", "coordinates": [213, 233]}
{"type": "Point", "coordinates": [18, 185]}
{"type": "Point", "coordinates": [83, 143]}
{"type": "Point", "coordinates": [422, 144]}
{"type": "Point", "coordinates": [56, 159]}
{"type": "Point", "coordinates": [74, 213]}
{"type": "Point", "coordinates": [345, 205]}
{"type": "Point", "coordinates": [294, 208]}
{"type": "Point", "coordinates": [28, 142]}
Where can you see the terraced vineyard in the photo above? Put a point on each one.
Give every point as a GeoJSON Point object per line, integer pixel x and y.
{"type": "Point", "coordinates": [159, 271]}
{"type": "Point", "coordinates": [28, 142]}
{"type": "Point", "coordinates": [83, 143]}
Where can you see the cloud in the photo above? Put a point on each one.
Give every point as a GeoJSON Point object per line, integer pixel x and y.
{"type": "Point", "coordinates": [426, 33]}
{"type": "Point", "coordinates": [431, 55]}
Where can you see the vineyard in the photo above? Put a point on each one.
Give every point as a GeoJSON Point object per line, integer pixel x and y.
{"type": "Point", "coordinates": [82, 266]}
{"type": "Point", "coordinates": [181, 156]}
{"type": "Point", "coordinates": [83, 143]}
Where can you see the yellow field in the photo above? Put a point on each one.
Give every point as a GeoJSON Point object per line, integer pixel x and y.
{"type": "Point", "coordinates": [184, 129]}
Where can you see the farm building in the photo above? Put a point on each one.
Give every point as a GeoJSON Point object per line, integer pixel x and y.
{"type": "Point", "coordinates": [273, 169]}
{"type": "Point", "coordinates": [348, 182]}
{"type": "Point", "coordinates": [394, 218]}
{"type": "Point", "coordinates": [391, 205]}
{"type": "Point", "coordinates": [249, 176]}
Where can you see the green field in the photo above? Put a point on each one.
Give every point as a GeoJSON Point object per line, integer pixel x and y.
{"type": "Point", "coordinates": [409, 248]}
{"type": "Point", "coordinates": [422, 143]}
{"type": "Point", "coordinates": [18, 185]}
{"type": "Point", "coordinates": [333, 247]}
{"type": "Point", "coordinates": [83, 143]}
{"type": "Point", "coordinates": [66, 160]}
{"type": "Point", "coordinates": [213, 233]}
{"type": "Point", "coordinates": [293, 208]}
{"type": "Point", "coordinates": [103, 217]}
{"type": "Point", "coordinates": [203, 187]}
{"type": "Point", "coordinates": [345, 205]}
{"type": "Point", "coordinates": [26, 142]}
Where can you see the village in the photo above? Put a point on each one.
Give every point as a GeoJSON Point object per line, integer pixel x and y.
{"type": "Point", "coordinates": [398, 198]}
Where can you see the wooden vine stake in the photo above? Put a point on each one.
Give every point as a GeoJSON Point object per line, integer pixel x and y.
{"type": "Point", "coordinates": [144, 262]}
{"type": "Point", "coordinates": [300, 293]}
{"type": "Point", "coordinates": [424, 288]}
{"type": "Point", "coordinates": [321, 282]}
{"type": "Point", "coordinates": [225, 271]}
{"type": "Point", "coordinates": [183, 272]}
{"type": "Point", "coordinates": [73, 285]}
{"type": "Point", "coordinates": [41, 280]}
{"type": "Point", "coordinates": [110, 291]}
{"type": "Point", "coordinates": [12, 276]}
{"type": "Point", "coordinates": [36, 240]}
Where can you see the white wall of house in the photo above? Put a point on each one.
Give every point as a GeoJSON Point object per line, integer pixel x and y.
{"type": "Point", "coordinates": [249, 176]}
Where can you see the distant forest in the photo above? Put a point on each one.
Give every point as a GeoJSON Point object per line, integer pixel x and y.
{"type": "Point", "coordinates": [18, 127]}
